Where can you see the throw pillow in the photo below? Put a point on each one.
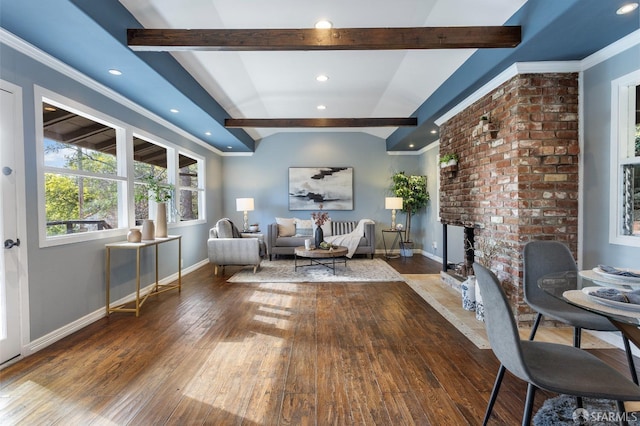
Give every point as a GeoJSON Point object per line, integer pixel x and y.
{"type": "Point", "coordinates": [286, 227]}
{"type": "Point", "coordinates": [326, 228]}
{"type": "Point", "coordinates": [304, 228]}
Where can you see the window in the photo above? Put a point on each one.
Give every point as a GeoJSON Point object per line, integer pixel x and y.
{"type": "Point", "coordinates": [190, 188]}
{"type": "Point", "coordinates": [81, 185]}
{"type": "Point", "coordinates": [150, 161]}
{"type": "Point", "coordinates": [93, 177]}
{"type": "Point", "coordinates": [625, 160]}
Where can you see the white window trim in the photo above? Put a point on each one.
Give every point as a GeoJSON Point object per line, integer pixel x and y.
{"type": "Point", "coordinates": [622, 128]}
{"type": "Point", "coordinates": [41, 94]}
{"type": "Point", "coordinates": [201, 188]}
{"type": "Point", "coordinates": [125, 133]}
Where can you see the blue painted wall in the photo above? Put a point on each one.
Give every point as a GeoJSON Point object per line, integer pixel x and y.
{"type": "Point", "coordinates": [264, 176]}
{"type": "Point", "coordinates": [597, 155]}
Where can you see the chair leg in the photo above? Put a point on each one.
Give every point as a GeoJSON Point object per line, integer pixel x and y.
{"type": "Point", "coordinates": [528, 405]}
{"type": "Point", "coordinates": [536, 323]}
{"type": "Point", "coordinates": [632, 365]}
{"type": "Point", "coordinates": [577, 339]}
{"type": "Point", "coordinates": [494, 394]}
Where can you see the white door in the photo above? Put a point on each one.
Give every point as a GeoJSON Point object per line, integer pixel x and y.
{"type": "Point", "coordinates": [9, 260]}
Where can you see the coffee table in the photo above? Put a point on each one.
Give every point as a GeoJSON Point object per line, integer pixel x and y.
{"type": "Point", "coordinates": [324, 257]}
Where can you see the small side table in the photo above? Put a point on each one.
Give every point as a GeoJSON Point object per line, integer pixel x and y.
{"type": "Point", "coordinates": [398, 236]}
{"type": "Point", "coordinates": [158, 288]}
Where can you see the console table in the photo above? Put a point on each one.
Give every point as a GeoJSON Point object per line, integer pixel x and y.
{"type": "Point", "coordinates": [157, 288]}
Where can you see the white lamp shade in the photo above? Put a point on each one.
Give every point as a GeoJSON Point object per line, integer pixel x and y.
{"type": "Point", "coordinates": [393, 203]}
{"type": "Point", "coordinates": [244, 204]}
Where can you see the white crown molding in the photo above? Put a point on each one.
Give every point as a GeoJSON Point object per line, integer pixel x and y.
{"type": "Point", "coordinates": [507, 74]}
{"type": "Point", "coordinates": [611, 50]}
{"type": "Point", "coordinates": [36, 54]}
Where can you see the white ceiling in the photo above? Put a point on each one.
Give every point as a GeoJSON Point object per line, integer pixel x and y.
{"type": "Point", "coordinates": [361, 84]}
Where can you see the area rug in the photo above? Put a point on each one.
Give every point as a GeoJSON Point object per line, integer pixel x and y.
{"type": "Point", "coordinates": [561, 410]}
{"type": "Point", "coordinates": [282, 271]}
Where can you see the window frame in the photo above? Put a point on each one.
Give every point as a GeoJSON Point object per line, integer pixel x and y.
{"type": "Point", "coordinates": [622, 132]}
{"type": "Point", "coordinates": [125, 175]}
{"type": "Point", "coordinates": [44, 95]}
{"type": "Point", "coordinates": [201, 189]}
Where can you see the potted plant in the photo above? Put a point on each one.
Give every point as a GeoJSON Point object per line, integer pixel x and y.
{"type": "Point", "coordinates": [413, 191]}
{"type": "Point", "coordinates": [450, 159]}
{"type": "Point", "coordinates": [161, 193]}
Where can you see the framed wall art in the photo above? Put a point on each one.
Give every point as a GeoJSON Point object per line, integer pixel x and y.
{"type": "Point", "coordinates": [330, 186]}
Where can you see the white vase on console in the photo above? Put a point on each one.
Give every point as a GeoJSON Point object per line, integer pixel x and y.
{"type": "Point", "coordinates": [161, 220]}
{"type": "Point", "coordinates": [148, 230]}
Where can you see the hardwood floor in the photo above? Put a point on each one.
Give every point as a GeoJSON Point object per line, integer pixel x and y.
{"type": "Point", "coordinates": [267, 354]}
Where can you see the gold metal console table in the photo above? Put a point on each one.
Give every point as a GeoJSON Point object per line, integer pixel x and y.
{"type": "Point", "coordinates": [158, 288]}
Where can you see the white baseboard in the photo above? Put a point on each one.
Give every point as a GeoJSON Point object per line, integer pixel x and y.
{"type": "Point", "coordinates": [54, 336]}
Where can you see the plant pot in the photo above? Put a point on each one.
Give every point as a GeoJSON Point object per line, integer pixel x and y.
{"type": "Point", "coordinates": [469, 293]}
{"type": "Point", "coordinates": [161, 220]}
{"type": "Point", "coordinates": [452, 162]}
{"type": "Point", "coordinates": [406, 249]}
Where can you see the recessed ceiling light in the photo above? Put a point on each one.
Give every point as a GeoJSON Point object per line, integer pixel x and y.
{"type": "Point", "coordinates": [411, 145]}
{"type": "Point", "coordinates": [114, 71]}
{"type": "Point", "coordinates": [433, 132]}
{"type": "Point", "coordinates": [324, 24]}
{"type": "Point", "coordinates": [627, 8]}
{"type": "Point", "coordinates": [207, 133]}
{"type": "Point", "coordinates": [229, 147]}
{"type": "Point", "coordinates": [321, 107]}
{"type": "Point", "coordinates": [322, 78]}
{"type": "Point", "coordinates": [173, 110]}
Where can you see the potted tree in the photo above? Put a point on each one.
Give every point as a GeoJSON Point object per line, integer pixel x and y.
{"type": "Point", "coordinates": [413, 191]}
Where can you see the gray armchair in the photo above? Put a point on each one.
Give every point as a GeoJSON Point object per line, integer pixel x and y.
{"type": "Point", "coordinates": [226, 246]}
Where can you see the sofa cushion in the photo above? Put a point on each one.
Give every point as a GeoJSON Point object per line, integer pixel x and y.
{"type": "Point", "coordinates": [286, 226]}
{"type": "Point", "coordinates": [304, 227]}
{"type": "Point", "coordinates": [343, 227]}
{"type": "Point", "coordinates": [327, 229]}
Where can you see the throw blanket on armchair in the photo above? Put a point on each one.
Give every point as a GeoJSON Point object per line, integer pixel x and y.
{"type": "Point", "coordinates": [350, 240]}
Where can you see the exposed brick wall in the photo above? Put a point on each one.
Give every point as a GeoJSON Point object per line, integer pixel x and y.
{"type": "Point", "coordinates": [517, 178]}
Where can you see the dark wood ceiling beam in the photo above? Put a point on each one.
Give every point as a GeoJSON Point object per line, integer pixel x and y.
{"type": "Point", "coordinates": [320, 122]}
{"type": "Point", "coordinates": [141, 39]}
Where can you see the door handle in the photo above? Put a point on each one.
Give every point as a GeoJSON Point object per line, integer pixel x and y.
{"type": "Point", "coordinates": [9, 243]}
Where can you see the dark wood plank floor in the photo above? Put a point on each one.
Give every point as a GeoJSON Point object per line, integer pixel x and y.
{"type": "Point", "coordinates": [269, 354]}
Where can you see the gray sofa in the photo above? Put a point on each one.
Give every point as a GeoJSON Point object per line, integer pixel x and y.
{"type": "Point", "coordinates": [285, 245]}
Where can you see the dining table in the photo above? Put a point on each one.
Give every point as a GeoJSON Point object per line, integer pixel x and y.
{"type": "Point", "coordinates": [579, 288]}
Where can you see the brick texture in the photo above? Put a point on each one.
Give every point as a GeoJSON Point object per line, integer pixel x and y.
{"type": "Point", "coordinates": [517, 177]}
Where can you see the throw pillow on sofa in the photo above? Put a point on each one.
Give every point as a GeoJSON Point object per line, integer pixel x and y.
{"type": "Point", "coordinates": [304, 228]}
{"type": "Point", "coordinates": [286, 226]}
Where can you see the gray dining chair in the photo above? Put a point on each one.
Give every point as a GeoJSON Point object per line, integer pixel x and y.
{"type": "Point", "coordinates": [552, 367]}
{"type": "Point", "coordinates": [547, 257]}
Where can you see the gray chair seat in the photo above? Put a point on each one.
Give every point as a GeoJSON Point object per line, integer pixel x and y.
{"type": "Point", "coordinates": [561, 311]}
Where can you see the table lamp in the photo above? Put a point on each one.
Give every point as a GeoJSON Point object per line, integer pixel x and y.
{"type": "Point", "coordinates": [393, 204]}
{"type": "Point", "coordinates": [245, 205]}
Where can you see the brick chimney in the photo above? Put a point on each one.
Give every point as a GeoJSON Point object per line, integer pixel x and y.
{"type": "Point", "coordinates": [517, 176]}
